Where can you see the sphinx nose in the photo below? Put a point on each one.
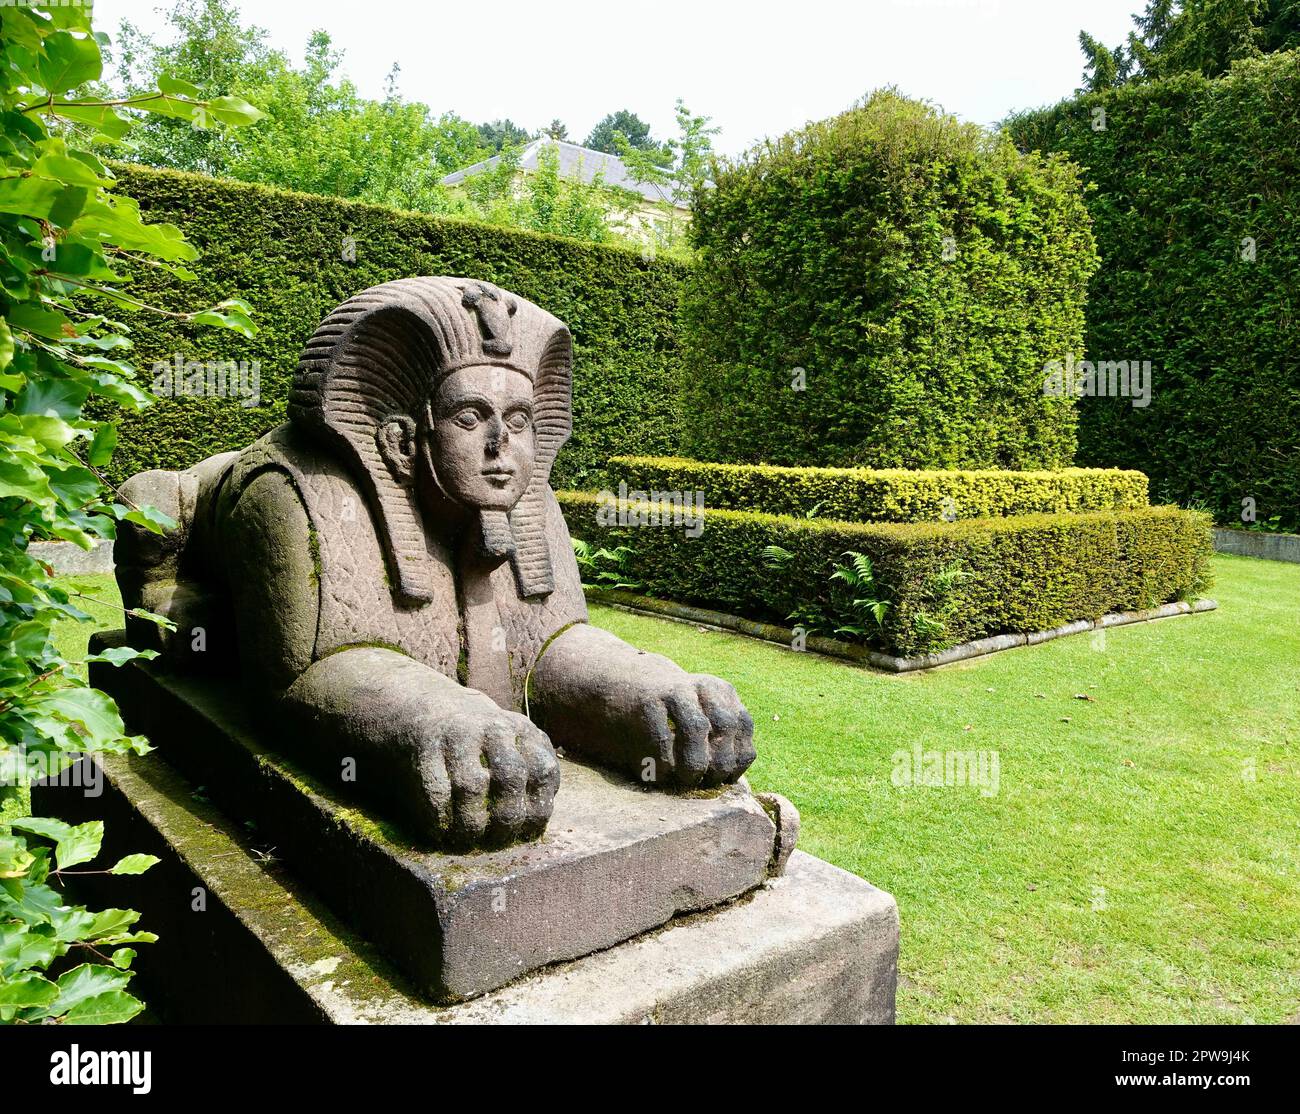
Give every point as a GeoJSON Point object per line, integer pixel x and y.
{"type": "Point", "coordinates": [498, 436]}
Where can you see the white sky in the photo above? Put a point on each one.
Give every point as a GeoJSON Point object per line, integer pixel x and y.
{"type": "Point", "coordinates": [758, 68]}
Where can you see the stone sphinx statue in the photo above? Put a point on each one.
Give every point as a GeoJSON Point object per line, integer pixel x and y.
{"type": "Point", "coordinates": [390, 573]}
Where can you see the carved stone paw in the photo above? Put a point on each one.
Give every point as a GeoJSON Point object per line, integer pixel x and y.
{"type": "Point", "coordinates": [698, 731]}
{"type": "Point", "coordinates": [489, 779]}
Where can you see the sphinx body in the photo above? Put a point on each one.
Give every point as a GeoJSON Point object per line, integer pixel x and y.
{"type": "Point", "coordinates": [391, 575]}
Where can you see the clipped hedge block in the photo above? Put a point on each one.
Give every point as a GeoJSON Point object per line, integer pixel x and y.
{"type": "Point", "coordinates": [1195, 202]}
{"type": "Point", "coordinates": [1014, 575]}
{"type": "Point", "coordinates": [883, 289]}
{"type": "Point", "coordinates": [885, 495]}
{"type": "Point", "coordinates": [294, 257]}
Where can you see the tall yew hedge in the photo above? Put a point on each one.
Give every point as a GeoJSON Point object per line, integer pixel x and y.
{"type": "Point", "coordinates": [918, 270]}
{"type": "Point", "coordinates": [295, 257]}
{"type": "Point", "coordinates": [1196, 212]}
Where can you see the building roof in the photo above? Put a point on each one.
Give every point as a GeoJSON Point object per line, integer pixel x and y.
{"type": "Point", "coordinates": [576, 161]}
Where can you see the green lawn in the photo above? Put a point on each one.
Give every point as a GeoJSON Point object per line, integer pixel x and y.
{"type": "Point", "coordinates": [1140, 861]}
{"type": "Point", "coordinates": [1128, 870]}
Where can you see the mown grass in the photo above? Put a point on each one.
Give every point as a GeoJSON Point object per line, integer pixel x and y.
{"type": "Point", "coordinates": [1140, 860]}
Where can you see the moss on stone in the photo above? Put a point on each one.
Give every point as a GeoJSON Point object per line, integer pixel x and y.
{"type": "Point", "coordinates": [264, 896]}
{"type": "Point", "coordinates": [313, 546]}
{"type": "Point", "coordinates": [376, 645]}
{"type": "Point", "coordinates": [380, 831]}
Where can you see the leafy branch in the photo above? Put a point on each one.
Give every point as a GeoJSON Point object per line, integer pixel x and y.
{"type": "Point", "coordinates": [62, 230]}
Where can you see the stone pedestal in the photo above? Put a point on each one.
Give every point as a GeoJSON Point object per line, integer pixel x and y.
{"type": "Point", "coordinates": [635, 906]}
{"type": "Point", "coordinates": [242, 940]}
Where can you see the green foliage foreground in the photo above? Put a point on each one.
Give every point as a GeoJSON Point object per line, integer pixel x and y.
{"type": "Point", "coordinates": [65, 237]}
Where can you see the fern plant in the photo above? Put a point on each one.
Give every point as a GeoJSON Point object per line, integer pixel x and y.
{"type": "Point", "coordinates": [809, 615]}
{"type": "Point", "coordinates": [605, 568]}
{"type": "Point", "coordinates": [931, 624]}
{"type": "Point", "coordinates": [866, 604]}
{"type": "Point", "coordinates": [852, 610]}
{"type": "Point", "coordinates": [777, 558]}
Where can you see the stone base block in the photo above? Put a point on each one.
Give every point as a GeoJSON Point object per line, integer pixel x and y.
{"type": "Point", "coordinates": [244, 941]}
{"type": "Point", "coordinates": [617, 859]}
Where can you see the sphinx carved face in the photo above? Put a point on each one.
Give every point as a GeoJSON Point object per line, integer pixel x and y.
{"type": "Point", "coordinates": [483, 446]}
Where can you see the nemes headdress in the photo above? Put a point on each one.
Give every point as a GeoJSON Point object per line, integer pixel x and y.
{"type": "Point", "coordinates": [384, 351]}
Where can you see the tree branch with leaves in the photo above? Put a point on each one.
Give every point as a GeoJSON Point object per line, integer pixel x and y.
{"type": "Point", "coordinates": [68, 245]}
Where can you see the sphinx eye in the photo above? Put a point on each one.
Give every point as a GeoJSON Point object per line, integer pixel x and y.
{"type": "Point", "coordinates": [518, 421]}
{"type": "Point", "coordinates": [467, 418]}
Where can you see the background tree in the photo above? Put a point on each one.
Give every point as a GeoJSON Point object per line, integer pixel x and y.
{"type": "Point", "coordinates": [634, 130]}
{"type": "Point", "coordinates": [319, 135]}
{"type": "Point", "coordinates": [322, 137]}
{"type": "Point", "coordinates": [1152, 26]}
{"type": "Point", "coordinates": [1103, 65]}
{"type": "Point", "coordinates": [213, 52]}
{"type": "Point", "coordinates": [544, 200]}
{"type": "Point", "coordinates": [500, 134]}
{"type": "Point", "coordinates": [1191, 36]}
{"type": "Point", "coordinates": [680, 168]}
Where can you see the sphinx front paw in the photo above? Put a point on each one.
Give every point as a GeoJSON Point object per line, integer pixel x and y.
{"type": "Point", "coordinates": [487, 779]}
{"type": "Point", "coordinates": [696, 732]}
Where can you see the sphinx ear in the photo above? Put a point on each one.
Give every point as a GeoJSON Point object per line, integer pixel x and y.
{"type": "Point", "coordinates": [396, 441]}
